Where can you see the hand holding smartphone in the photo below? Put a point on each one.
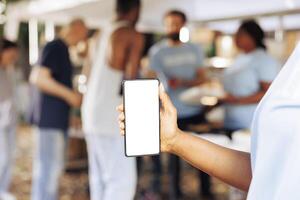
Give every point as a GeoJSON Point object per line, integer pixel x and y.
{"type": "Point", "coordinates": [142, 120]}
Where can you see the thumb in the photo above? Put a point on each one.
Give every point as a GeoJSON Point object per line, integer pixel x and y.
{"type": "Point", "coordinates": [165, 99]}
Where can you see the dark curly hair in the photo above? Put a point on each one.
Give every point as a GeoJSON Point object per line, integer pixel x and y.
{"type": "Point", "coordinates": [252, 28]}
{"type": "Point", "coordinates": [179, 13]}
{"type": "Point", "coordinates": [124, 6]}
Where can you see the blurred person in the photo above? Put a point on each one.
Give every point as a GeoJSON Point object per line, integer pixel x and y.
{"type": "Point", "coordinates": [91, 50]}
{"type": "Point", "coordinates": [179, 66]}
{"type": "Point", "coordinates": [112, 175]}
{"type": "Point", "coordinates": [248, 79]}
{"type": "Point", "coordinates": [271, 169]}
{"type": "Point", "coordinates": [53, 100]}
{"type": "Point", "coordinates": [8, 117]}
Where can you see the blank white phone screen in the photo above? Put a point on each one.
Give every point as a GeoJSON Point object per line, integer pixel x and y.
{"type": "Point", "coordinates": [141, 103]}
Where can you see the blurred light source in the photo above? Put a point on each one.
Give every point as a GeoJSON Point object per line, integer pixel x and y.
{"type": "Point", "coordinates": [2, 7]}
{"type": "Point", "coordinates": [290, 4]}
{"type": "Point", "coordinates": [209, 101]}
{"type": "Point", "coordinates": [49, 31]}
{"type": "Point", "coordinates": [33, 41]}
{"type": "Point", "coordinates": [2, 19]}
{"type": "Point", "coordinates": [81, 46]}
{"type": "Point", "coordinates": [279, 33]}
{"type": "Point", "coordinates": [81, 83]}
{"type": "Point", "coordinates": [227, 43]}
{"type": "Point", "coordinates": [82, 89]}
{"type": "Point", "coordinates": [184, 34]}
{"type": "Point", "coordinates": [219, 62]}
{"type": "Point", "coordinates": [82, 79]}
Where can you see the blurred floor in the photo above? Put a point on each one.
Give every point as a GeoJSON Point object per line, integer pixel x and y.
{"type": "Point", "coordinates": [74, 186]}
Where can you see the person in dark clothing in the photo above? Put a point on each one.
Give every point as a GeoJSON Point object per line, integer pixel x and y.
{"type": "Point", "coordinates": [53, 99]}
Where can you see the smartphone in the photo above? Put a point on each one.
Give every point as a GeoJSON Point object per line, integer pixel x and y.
{"type": "Point", "coordinates": [142, 121]}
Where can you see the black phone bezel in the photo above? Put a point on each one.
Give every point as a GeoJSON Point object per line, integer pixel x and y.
{"type": "Point", "coordinates": [124, 91]}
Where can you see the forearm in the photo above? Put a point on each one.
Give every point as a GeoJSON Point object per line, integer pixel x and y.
{"type": "Point", "coordinates": [54, 88]}
{"type": "Point", "coordinates": [232, 167]}
{"type": "Point", "coordinates": [255, 98]}
{"type": "Point", "coordinates": [200, 79]}
{"type": "Point", "coordinates": [252, 99]}
{"type": "Point", "coordinates": [192, 83]}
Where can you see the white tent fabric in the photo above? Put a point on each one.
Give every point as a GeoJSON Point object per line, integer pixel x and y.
{"type": "Point", "coordinates": [97, 12]}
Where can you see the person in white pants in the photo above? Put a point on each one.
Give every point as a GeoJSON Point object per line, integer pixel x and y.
{"type": "Point", "coordinates": [112, 175]}
{"type": "Point", "coordinates": [9, 55]}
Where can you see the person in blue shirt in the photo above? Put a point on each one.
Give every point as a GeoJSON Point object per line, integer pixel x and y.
{"type": "Point", "coordinates": [248, 79]}
{"type": "Point", "coordinates": [271, 169]}
{"type": "Point", "coordinates": [52, 102]}
{"type": "Point", "coordinates": [178, 65]}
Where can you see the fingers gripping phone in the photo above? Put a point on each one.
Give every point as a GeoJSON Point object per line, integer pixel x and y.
{"type": "Point", "coordinates": [142, 121]}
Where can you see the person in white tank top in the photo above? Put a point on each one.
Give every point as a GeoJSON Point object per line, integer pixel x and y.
{"type": "Point", "coordinates": [103, 89]}
{"type": "Point", "coordinates": [118, 58]}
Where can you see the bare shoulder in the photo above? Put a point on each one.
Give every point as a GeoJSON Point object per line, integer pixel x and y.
{"type": "Point", "coordinates": [127, 34]}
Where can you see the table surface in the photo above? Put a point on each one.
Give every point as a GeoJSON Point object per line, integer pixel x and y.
{"type": "Point", "coordinates": [241, 140]}
{"type": "Point", "coordinates": [206, 94]}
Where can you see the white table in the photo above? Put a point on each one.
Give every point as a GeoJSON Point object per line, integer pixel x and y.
{"type": "Point", "coordinates": [207, 94]}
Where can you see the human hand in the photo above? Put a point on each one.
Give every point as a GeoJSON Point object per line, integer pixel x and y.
{"type": "Point", "coordinates": [168, 121]}
{"type": "Point", "coordinates": [229, 99]}
{"type": "Point", "coordinates": [74, 99]}
{"type": "Point", "coordinates": [175, 83]}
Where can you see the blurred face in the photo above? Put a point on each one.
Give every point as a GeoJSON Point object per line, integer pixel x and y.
{"type": "Point", "coordinates": [80, 32]}
{"type": "Point", "coordinates": [9, 57]}
{"type": "Point", "coordinates": [173, 24]}
{"type": "Point", "coordinates": [244, 41]}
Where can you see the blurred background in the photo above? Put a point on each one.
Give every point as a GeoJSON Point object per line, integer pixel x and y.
{"type": "Point", "coordinates": [212, 24]}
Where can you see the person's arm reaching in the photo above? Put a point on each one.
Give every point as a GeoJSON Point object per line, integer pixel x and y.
{"type": "Point", "coordinates": [200, 75]}
{"type": "Point", "coordinates": [41, 77]}
{"type": "Point", "coordinates": [200, 79]}
{"type": "Point", "coordinates": [252, 99]}
{"type": "Point", "coordinates": [231, 166]}
{"type": "Point", "coordinates": [266, 71]}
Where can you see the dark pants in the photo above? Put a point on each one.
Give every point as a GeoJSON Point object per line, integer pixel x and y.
{"type": "Point", "coordinates": [174, 168]}
{"type": "Point", "coordinates": [156, 172]}
{"type": "Point", "coordinates": [174, 163]}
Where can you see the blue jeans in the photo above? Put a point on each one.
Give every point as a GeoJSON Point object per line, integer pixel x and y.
{"type": "Point", "coordinates": [7, 149]}
{"type": "Point", "coordinates": [48, 163]}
